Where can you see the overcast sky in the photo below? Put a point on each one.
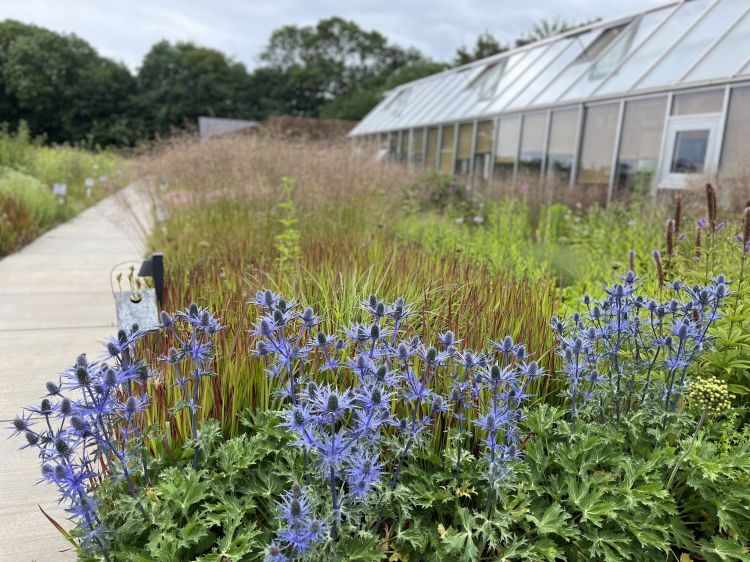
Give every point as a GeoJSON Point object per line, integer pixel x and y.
{"type": "Point", "coordinates": [125, 29]}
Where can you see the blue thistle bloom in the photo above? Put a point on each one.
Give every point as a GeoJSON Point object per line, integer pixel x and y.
{"type": "Point", "coordinates": [309, 318]}
{"type": "Point", "coordinates": [266, 327]}
{"type": "Point", "coordinates": [21, 424]}
{"type": "Point", "coordinates": [448, 340]}
{"type": "Point", "coordinates": [132, 406]}
{"type": "Point", "coordinates": [265, 299]}
{"type": "Point", "coordinates": [357, 333]}
{"type": "Point", "coordinates": [329, 405]}
{"type": "Point", "coordinates": [625, 335]}
{"type": "Point", "coordinates": [301, 530]}
{"type": "Point", "coordinates": [363, 473]}
{"type": "Point", "coordinates": [273, 553]}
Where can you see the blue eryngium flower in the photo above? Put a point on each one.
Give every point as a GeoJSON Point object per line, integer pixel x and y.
{"type": "Point", "coordinates": [300, 530]}
{"type": "Point", "coordinates": [88, 426]}
{"type": "Point", "coordinates": [627, 350]}
{"type": "Point", "coordinates": [341, 429]}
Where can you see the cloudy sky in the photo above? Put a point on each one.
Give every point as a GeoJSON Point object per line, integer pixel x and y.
{"type": "Point", "coordinates": [124, 30]}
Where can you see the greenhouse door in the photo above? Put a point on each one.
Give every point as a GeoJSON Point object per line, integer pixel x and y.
{"type": "Point", "coordinates": [691, 150]}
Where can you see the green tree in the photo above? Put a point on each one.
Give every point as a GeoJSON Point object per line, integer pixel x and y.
{"type": "Point", "coordinates": [486, 46]}
{"type": "Point", "coordinates": [357, 104]}
{"type": "Point", "coordinates": [413, 71]}
{"type": "Point", "coordinates": [178, 83]}
{"type": "Point", "coordinates": [61, 86]}
{"type": "Point", "coordinates": [333, 64]}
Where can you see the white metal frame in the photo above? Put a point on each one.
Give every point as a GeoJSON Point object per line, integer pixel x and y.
{"type": "Point", "coordinates": [723, 124]}
{"type": "Point", "coordinates": [709, 122]}
{"type": "Point", "coordinates": [473, 149]}
{"type": "Point", "coordinates": [577, 145]}
{"type": "Point", "coordinates": [616, 151]}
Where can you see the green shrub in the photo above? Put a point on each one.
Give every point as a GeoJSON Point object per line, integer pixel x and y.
{"type": "Point", "coordinates": [600, 494]}
{"type": "Point", "coordinates": [17, 226]}
{"type": "Point", "coordinates": [32, 194]}
{"type": "Point", "coordinates": [27, 172]}
{"type": "Point", "coordinates": [17, 150]}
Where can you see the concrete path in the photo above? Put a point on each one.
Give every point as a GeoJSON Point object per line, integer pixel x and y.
{"type": "Point", "coordinates": [55, 303]}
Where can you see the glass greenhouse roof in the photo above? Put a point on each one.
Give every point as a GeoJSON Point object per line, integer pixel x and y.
{"type": "Point", "coordinates": [681, 44]}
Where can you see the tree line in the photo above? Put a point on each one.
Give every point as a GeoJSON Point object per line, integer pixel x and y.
{"type": "Point", "coordinates": [67, 92]}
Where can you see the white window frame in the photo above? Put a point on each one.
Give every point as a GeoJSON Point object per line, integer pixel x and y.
{"type": "Point", "coordinates": [710, 122]}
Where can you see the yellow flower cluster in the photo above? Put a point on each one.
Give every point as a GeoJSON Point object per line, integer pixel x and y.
{"type": "Point", "coordinates": [710, 394]}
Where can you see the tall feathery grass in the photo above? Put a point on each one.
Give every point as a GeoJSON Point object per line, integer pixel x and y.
{"type": "Point", "coordinates": [235, 203]}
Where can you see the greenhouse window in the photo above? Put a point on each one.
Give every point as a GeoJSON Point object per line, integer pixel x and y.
{"type": "Point", "coordinates": [483, 150]}
{"type": "Point", "coordinates": [561, 150]}
{"type": "Point", "coordinates": [446, 149]}
{"type": "Point", "coordinates": [595, 164]}
{"type": "Point", "coordinates": [734, 160]}
{"type": "Point", "coordinates": [463, 154]}
{"type": "Point", "coordinates": [507, 148]}
{"type": "Point", "coordinates": [416, 149]}
{"type": "Point", "coordinates": [532, 147]}
{"type": "Point", "coordinates": [430, 158]}
{"type": "Point", "coordinates": [640, 144]}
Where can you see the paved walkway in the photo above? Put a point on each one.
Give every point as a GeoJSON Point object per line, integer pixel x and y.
{"type": "Point", "coordinates": [55, 302]}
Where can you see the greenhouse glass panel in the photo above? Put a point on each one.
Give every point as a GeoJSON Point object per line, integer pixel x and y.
{"type": "Point", "coordinates": [486, 83]}
{"type": "Point", "coordinates": [694, 103]}
{"type": "Point", "coordinates": [562, 146]}
{"type": "Point", "coordinates": [599, 130]}
{"type": "Point", "coordinates": [574, 46]}
{"type": "Point", "coordinates": [393, 146]}
{"type": "Point", "coordinates": [417, 146]}
{"type": "Point", "coordinates": [735, 157]}
{"type": "Point", "coordinates": [483, 149]}
{"type": "Point", "coordinates": [507, 147]}
{"type": "Point", "coordinates": [430, 158]}
{"type": "Point", "coordinates": [654, 47]}
{"type": "Point", "coordinates": [694, 43]}
{"type": "Point", "coordinates": [470, 97]}
{"type": "Point", "coordinates": [531, 74]}
{"type": "Point", "coordinates": [463, 153]}
{"type": "Point", "coordinates": [640, 145]}
{"type": "Point", "coordinates": [441, 111]}
{"type": "Point", "coordinates": [583, 60]}
{"type": "Point", "coordinates": [626, 43]}
{"type": "Point", "coordinates": [403, 146]}
{"type": "Point", "coordinates": [439, 89]}
{"type": "Point", "coordinates": [517, 77]}
{"type": "Point", "coordinates": [690, 150]}
{"type": "Point", "coordinates": [383, 143]}
{"type": "Point", "coordinates": [532, 147]}
{"type": "Point", "coordinates": [726, 57]}
{"type": "Point", "coordinates": [446, 150]}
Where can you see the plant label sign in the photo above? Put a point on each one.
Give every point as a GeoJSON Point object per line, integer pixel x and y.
{"type": "Point", "coordinates": [61, 190]}
{"type": "Point", "coordinates": [89, 183]}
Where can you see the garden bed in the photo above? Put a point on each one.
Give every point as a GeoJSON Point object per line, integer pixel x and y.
{"type": "Point", "coordinates": [381, 365]}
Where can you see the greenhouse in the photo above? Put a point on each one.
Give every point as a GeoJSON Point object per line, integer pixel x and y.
{"type": "Point", "coordinates": [656, 100]}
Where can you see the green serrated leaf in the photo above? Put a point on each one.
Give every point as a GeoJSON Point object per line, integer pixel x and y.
{"type": "Point", "coordinates": [552, 521]}
{"type": "Point", "coordinates": [724, 550]}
